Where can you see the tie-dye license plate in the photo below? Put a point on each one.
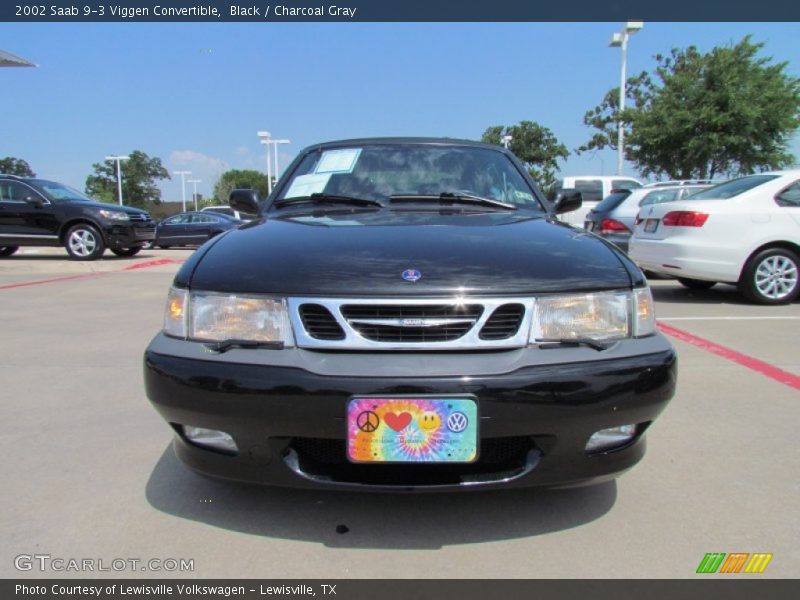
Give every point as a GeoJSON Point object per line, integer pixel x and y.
{"type": "Point", "coordinates": [412, 430]}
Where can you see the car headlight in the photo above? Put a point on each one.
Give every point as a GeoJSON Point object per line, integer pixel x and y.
{"type": "Point", "coordinates": [596, 316]}
{"type": "Point", "coordinates": [215, 317]}
{"type": "Point", "coordinates": [113, 215]}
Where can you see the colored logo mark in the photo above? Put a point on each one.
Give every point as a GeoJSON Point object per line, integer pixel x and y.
{"type": "Point", "coordinates": [735, 562]}
{"type": "Point", "coordinates": [411, 275]}
{"type": "Point", "coordinates": [398, 422]}
{"type": "Point", "coordinates": [368, 421]}
{"type": "Point", "coordinates": [457, 422]}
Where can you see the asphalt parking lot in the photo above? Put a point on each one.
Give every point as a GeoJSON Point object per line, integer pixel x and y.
{"type": "Point", "coordinates": [88, 470]}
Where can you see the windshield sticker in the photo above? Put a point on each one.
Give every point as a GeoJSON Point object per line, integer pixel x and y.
{"type": "Point", "coordinates": [305, 185]}
{"type": "Point", "coordinates": [338, 161]}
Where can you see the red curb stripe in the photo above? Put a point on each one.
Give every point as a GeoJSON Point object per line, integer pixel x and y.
{"type": "Point", "coordinates": [142, 265]}
{"type": "Point", "coordinates": [156, 262]}
{"type": "Point", "coordinates": [759, 366]}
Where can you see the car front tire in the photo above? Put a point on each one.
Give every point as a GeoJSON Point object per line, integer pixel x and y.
{"type": "Point", "coordinates": [7, 250]}
{"type": "Point", "coordinates": [84, 242]}
{"type": "Point", "coordinates": [127, 251]}
{"type": "Point", "coordinates": [696, 284]}
{"type": "Point", "coordinates": [771, 277]}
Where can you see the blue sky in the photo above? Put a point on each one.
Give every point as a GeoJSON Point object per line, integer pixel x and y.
{"type": "Point", "coordinates": [195, 94]}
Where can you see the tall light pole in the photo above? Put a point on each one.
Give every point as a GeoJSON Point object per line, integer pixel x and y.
{"type": "Point", "coordinates": [183, 185]}
{"type": "Point", "coordinates": [264, 139]}
{"type": "Point", "coordinates": [119, 175]}
{"type": "Point", "coordinates": [194, 195]}
{"type": "Point", "coordinates": [277, 142]}
{"type": "Point", "coordinates": [620, 40]}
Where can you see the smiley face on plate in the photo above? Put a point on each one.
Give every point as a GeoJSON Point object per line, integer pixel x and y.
{"type": "Point", "coordinates": [429, 421]}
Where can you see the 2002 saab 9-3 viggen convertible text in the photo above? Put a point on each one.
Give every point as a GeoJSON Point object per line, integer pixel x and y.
{"type": "Point", "coordinates": [408, 315]}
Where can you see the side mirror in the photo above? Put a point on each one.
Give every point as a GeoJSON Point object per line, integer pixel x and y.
{"type": "Point", "coordinates": [244, 201]}
{"type": "Point", "coordinates": [34, 201]}
{"type": "Point", "coordinates": [567, 201]}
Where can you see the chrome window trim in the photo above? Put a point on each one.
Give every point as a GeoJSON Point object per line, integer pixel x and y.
{"type": "Point", "coordinates": [45, 200]}
{"type": "Point", "coordinates": [354, 341]}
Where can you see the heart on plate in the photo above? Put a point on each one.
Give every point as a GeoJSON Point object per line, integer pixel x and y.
{"type": "Point", "coordinates": [397, 422]}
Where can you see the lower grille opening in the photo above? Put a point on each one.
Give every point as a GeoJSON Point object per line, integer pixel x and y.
{"type": "Point", "coordinates": [328, 458]}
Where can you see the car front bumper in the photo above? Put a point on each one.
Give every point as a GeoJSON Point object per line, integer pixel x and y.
{"type": "Point", "coordinates": [129, 235]}
{"type": "Point", "coordinates": [288, 417]}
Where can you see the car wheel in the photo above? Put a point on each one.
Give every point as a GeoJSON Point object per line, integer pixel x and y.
{"type": "Point", "coordinates": [84, 242]}
{"type": "Point", "coordinates": [8, 250]}
{"type": "Point", "coordinates": [771, 277]}
{"type": "Point", "coordinates": [127, 251]}
{"type": "Point", "coordinates": [696, 284]}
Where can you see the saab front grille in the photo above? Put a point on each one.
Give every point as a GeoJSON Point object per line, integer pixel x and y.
{"type": "Point", "coordinates": [319, 322]}
{"type": "Point", "coordinates": [504, 322]}
{"type": "Point", "coordinates": [398, 323]}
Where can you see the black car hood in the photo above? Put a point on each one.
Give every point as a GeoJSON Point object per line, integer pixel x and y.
{"type": "Point", "coordinates": [478, 254]}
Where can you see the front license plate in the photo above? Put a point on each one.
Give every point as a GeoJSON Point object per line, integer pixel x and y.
{"type": "Point", "coordinates": [650, 225]}
{"type": "Point", "coordinates": [412, 430]}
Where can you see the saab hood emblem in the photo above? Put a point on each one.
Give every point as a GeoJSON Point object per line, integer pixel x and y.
{"type": "Point", "coordinates": [411, 275]}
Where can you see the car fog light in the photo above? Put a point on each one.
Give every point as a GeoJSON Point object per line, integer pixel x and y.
{"type": "Point", "coordinates": [614, 437]}
{"type": "Point", "coordinates": [210, 438]}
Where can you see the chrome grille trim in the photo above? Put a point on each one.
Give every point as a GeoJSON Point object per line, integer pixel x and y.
{"type": "Point", "coordinates": [354, 341]}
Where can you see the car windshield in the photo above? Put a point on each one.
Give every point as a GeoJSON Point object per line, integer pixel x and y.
{"type": "Point", "coordinates": [402, 173]}
{"type": "Point", "coordinates": [612, 201]}
{"type": "Point", "coordinates": [58, 191]}
{"type": "Point", "coordinates": [732, 188]}
{"type": "Point", "coordinates": [659, 196]}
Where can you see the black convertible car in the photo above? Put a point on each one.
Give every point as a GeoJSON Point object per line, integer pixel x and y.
{"type": "Point", "coordinates": [408, 315]}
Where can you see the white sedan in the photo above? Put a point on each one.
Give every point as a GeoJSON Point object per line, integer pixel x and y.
{"type": "Point", "coordinates": [745, 231]}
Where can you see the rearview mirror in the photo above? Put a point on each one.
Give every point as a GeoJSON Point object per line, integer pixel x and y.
{"type": "Point", "coordinates": [245, 201]}
{"type": "Point", "coordinates": [567, 200]}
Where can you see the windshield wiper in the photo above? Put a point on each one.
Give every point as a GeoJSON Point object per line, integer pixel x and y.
{"type": "Point", "coordinates": [574, 343]}
{"type": "Point", "coordinates": [226, 345]}
{"type": "Point", "coordinates": [320, 198]}
{"type": "Point", "coordinates": [452, 198]}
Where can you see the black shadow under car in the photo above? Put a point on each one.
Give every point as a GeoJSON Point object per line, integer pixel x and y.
{"type": "Point", "coordinates": [408, 315]}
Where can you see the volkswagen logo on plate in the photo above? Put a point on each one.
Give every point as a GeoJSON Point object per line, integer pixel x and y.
{"type": "Point", "coordinates": [411, 275]}
{"type": "Point", "coordinates": [457, 422]}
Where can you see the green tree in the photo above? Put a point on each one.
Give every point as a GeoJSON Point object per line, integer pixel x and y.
{"type": "Point", "coordinates": [239, 179]}
{"type": "Point", "coordinates": [536, 146]}
{"type": "Point", "coordinates": [725, 112]}
{"type": "Point", "coordinates": [15, 166]}
{"type": "Point", "coordinates": [139, 175]}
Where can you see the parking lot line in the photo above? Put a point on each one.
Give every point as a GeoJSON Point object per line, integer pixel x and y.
{"type": "Point", "coordinates": [744, 360]}
{"type": "Point", "coordinates": [142, 265]}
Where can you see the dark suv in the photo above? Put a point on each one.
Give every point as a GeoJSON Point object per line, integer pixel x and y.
{"type": "Point", "coordinates": [407, 315]}
{"type": "Point", "coordinates": [37, 212]}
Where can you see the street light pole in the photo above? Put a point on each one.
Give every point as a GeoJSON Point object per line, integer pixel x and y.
{"type": "Point", "coordinates": [194, 195]}
{"type": "Point", "coordinates": [119, 174]}
{"type": "Point", "coordinates": [620, 40]}
{"type": "Point", "coordinates": [265, 135]}
{"type": "Point", "coordinates": [277, 142]}
{"type": "Point", "coordinates": [183, 185]}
